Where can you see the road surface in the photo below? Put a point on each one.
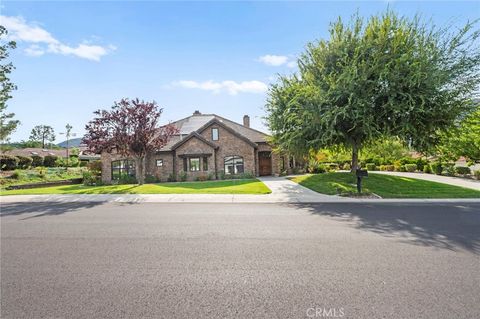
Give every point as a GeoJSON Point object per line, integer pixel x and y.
{"type": "Point", "coordinates": [153, 260]}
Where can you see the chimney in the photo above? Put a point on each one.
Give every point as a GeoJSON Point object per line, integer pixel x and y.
{"type": "Point", "coordinates": [197, 112]}
{"type": "Point", "coordinates": [246, 121]}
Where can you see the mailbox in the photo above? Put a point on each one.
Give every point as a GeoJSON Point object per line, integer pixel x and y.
{"type": "Point", "coordinates": [362, 173]}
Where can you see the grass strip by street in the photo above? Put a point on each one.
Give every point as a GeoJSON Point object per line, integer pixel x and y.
{"type": "Point", "coordinates": [245, 186]}
{"type": "Point", "coordinates": [343, 183]}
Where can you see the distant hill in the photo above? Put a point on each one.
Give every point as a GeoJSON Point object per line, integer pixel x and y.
{"type": "Point", "coordinates": [74, 142]}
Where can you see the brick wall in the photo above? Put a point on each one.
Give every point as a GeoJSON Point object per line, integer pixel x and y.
{"type": "Point", "coordinates": [229, 145]}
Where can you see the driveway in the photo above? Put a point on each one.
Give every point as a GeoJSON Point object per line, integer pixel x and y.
{"type": "Point", "coordinates": [151, 260]}
{"type": "Point", "coordinates": [456, 181]}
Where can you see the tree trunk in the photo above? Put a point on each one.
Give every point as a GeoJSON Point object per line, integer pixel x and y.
{"type": "Point", "coordinates": [140, 169]}
{"type": "Point", "coordinates": [355, 147]}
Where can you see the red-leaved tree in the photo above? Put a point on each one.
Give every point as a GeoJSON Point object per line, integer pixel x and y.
{"type": "Point", "coordinates": [130, 129]}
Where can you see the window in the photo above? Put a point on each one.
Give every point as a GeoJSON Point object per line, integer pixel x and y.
{"type": "Point", "coordinates": [233, 165]}
{"type": "Point", "coordinates": [205, 163]}
{"type": "Point", "coordinates": [159, 162]}
{"type": "Point", "coordinates": [123, 168]}
{"type": "Point", "coordinates": [194, 163]}
{"type": "Point", "coordinates": [185, 164]}
{"type": "Point", "coordinates": [214, 134]}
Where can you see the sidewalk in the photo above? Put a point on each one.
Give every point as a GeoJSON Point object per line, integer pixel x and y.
{"type": "Point", "coordinates": [283, 191]}
{"type": "Point", "coordinates": [455, 181]}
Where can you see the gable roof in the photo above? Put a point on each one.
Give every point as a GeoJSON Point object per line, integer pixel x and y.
{"type": "Point", "coordinates": [189, 137]}
{"type": "Point", "coordinates": [198, 121]}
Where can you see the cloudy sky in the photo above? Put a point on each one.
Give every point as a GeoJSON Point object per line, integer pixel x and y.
{"type": "Point", "coordinates": [216, 57]}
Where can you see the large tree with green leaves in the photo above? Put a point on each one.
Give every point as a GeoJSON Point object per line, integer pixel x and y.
{"type": "Point", "coordinates": [42, 133]}
{"type": "Point", "coordinates": [463, 139]}
{"type": "Point", "coordinates": [7, 124]}
{"type": "Point", "coordinates": [389, 76]}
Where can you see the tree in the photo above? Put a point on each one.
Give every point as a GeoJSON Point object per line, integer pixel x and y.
{"type": "Point", "coordinates": [388, 77]}
{"type": "Point", "coordinates": [130, 129]}
{"type": "Point", "coordinates": [7, 124]}
{"type": "Point", "coordinates": [42, 133]}
{"type": "Point", "coordinates": [463, 139]}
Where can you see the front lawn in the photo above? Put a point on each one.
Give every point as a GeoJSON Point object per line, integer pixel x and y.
{"type": "Point", "coordinates": [245, 186]}
{"type": "Point", "coordinates": [383, 185]}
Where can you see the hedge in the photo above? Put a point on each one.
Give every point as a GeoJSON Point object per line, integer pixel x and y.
{"type": "Point", "coordinates": [410, 167]}
{"type": "Point", "coordinates": [24, 162]}
{"type": "Point", "coordinates": [37, 160]}
{"type": "Point", "coordinates": [49, 161]}
{"type": "Point", "coordinates": [8, 163]}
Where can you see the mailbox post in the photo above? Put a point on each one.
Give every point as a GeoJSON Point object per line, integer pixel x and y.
{"type": "Point", "coordinates": [361, 173]}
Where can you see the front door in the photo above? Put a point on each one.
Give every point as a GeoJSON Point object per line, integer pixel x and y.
{"type": "Point", "coordinates": [265, 163]}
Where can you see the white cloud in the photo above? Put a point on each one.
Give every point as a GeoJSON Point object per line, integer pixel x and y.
{"type": "Point", "coordinates": [34, 50]}
{"type": "Point", "coordinates": [292, 64]}
{"type": "Point", "coordinates": [42, 41]}
{"type": "Point", "coordinates": [231, 87]}
{"type": "Point", "coordinates": [278, 60]}
{"type": "Point", "coordinates": [273, 60]}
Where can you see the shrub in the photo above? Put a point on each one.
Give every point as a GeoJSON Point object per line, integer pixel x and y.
{"type": "Point", "coordinates": [211, 176]}
{"type": "Point", "coordinates": [389, 168]}
{"type": "Point", "coordinates": [95, 166]}
{"type": "Point", "coordinates": [150, 179]}
{"type": "Point", "coordinates": [421, 163]}
{"type": "Point", "coordinates": [83, 163]}
{"type": "Point", "coordinates": [24, 162]}
{"type": "Point", "coordinates": [437, 168]}
{"type": "Point", "coordinates": [37, 160]}
{"type": "Point", "coordinates": [462, 170]}
{"type": "Point", "coordinates": [315, 167]}
{"type": "Point", "coordinates": [371, 166]}
{"type": "Point", "coordinates": [42, 172]}
{"type": "Point", "coordinates": [18, 174]}
{"type": "Point", "coordinates": [331, 166]}
{"type": "Point", "coordinates": [91, 179]}
{"type": "Point", "coordinates": [127, 179]}
{"type": "Point", "coordinates": [49, 160]}
{"type": "Point", "coordinates": [8, 163]}
{"type": "Point", "coordinates": [407, 160]}
{"type": "Point", "coordinates": [347, 166]}
{"type": "Point", "coordinates": [245, 175]}
{"type": "Point", "coordinates": [399, 167]}
{"type": "Point", "coordinates": [449, 169]}
{"type": "Point", "coordinates": [427, 169]}
{"type": "Point", "coordinates": [221, 175]}
{"type": "Point", "coordinates": [171, 177]}
{"type": "Point", "coordinates": [477, 174]}
{"type": "Point", "coordinates": [410, 167]}
{"type": "Point", "coordinates": [202, 178]}
{"type": "Point", "coordinates": [182, 176]}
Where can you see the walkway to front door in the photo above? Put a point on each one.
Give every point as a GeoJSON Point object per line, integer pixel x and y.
{"type": "Point", "coordinates": [265, 163]}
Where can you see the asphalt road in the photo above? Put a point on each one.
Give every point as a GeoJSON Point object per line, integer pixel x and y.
{"type": "Point", "coordinates": [94, 260]}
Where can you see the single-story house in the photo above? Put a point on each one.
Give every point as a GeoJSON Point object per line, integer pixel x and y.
{"type": "Point", "coordinates": [206, 145]}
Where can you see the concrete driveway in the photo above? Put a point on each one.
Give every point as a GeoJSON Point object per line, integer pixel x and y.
{"type": "Point", "coordinates": [151, 260]}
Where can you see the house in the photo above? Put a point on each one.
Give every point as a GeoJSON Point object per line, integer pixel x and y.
{"type": "Point", "coordinates": [206, 146]}
{"type": "Point", "coordinates": [83, 153]}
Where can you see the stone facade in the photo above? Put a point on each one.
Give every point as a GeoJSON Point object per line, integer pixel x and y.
{"type": "Point", "coordinates": [169, 164]}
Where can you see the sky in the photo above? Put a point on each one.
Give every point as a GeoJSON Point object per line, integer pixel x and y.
{"type": "Point", "coordinates": [73, 58]}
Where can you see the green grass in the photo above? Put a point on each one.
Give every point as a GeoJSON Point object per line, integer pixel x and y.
{"type": "Point", "coordinates": [245, 186]}
{"type": "Point", "coordinates": [44, 174]}
{"type": "Point", "coordinates": [383, 185]}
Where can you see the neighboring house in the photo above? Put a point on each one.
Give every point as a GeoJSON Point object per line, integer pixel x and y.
{"type": "Point", "coordinates": [35, 151]}
{"type": "Point", "coordinates": [83, 154]}
{"type": "Point", "coordinates": [207, 145]}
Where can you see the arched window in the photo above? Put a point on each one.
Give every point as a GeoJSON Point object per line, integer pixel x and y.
{"type": "Point", "coordinates": [233, 165]}
{"type": "Point", "coordinates": [123, 168]}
